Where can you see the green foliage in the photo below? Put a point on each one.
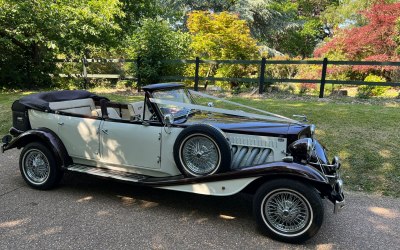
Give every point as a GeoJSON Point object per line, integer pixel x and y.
{"type": "Point", "coordinates": [301, 41]}
{"type": "Point", "coordinates": [291, 27]}
{"type": "Point", "coordinates": [153, 42]}
{"type": "Point", "coordinates": [281, 71]}
{"type": "Point", "coordinates": [366, 91]}
{"type": "Point", "coordinates": [34, 32]}
{"type": "Point", "coordinates": [221, 36]}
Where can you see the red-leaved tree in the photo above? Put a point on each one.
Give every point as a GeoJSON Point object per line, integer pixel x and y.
{"type": "Point", "coordinates": [374, 41]}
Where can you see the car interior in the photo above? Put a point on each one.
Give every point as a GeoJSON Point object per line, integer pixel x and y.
{"type": "Point", "coordinates": [117, 111]}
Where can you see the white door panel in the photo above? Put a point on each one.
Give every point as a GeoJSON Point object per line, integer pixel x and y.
{"type": "Point", "coordinates": [80, 136]}
{"type": "Point", "coordinates": [130, 144]}
{"type": "Point", "coordinates": [169, 136]}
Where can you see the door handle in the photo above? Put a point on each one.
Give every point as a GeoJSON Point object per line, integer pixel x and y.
{"type": "Point", "coordinates": [60, 123]}
{"type": "Point", "coordinates": [105, 131]}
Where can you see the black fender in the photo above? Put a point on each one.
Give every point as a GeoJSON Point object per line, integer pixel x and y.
{"type": "Point", "coordinates": [48, 138]}
{"type": "Point", "coordinates": [265, 172]}
{"type": "Point", "coordinates": [301, 172]}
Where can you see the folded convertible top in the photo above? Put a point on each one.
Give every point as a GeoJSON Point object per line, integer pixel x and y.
{"type": "Point", "coordinates": [41, 100]}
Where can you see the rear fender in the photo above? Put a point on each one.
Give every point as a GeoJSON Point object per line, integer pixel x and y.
{"type": "Point", "coordinates": [48, 138]}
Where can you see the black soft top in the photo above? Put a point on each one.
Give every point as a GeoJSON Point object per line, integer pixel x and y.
{"type": "Point", "coordinates": [41, 100]}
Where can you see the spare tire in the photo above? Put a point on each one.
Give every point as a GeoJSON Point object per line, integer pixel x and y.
{"type": "Point", "coordinates": [201, 150]}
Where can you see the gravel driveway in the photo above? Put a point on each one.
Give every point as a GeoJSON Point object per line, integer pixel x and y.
{"type": "Point", "coordinates": [92, 213]}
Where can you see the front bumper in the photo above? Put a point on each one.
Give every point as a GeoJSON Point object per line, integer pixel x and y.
{"type": "Point", "coordinates": [339, 205]}
{"type": "Point", "coordinates": [337, 195]}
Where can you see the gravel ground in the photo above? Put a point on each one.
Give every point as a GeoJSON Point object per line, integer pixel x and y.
{"type": "Point", "coordinates": [92, 213]}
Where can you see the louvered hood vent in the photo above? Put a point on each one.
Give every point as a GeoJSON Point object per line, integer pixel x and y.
{"type": "Point", "coordinates": [252, 150]}
{"type": "Point", "coordinates": [249, 156]}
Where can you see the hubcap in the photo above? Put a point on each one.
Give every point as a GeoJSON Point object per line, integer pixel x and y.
{"type": "Point", "coordinates": [36, 167]}
{"type": "Point", "coordinates": [287, 212]}
{"type": "Point", "coordinates": [200, 155]}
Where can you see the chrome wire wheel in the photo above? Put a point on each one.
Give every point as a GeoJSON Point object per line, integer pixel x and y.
{"type": "Point", "coordinates": [287, 212]}
{"type": "Point", "coordinates": [200, 155]}
{"type": "Point", "coordinates": [36, 167]}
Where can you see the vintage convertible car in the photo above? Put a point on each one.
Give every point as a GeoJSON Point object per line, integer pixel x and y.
{"type": "Point", "coordinates": [170, 141]}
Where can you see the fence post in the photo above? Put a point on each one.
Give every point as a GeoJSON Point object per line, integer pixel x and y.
{"type": "Point", "coordinates": [262, 77]}
{"type": "Point", "coordinates": [84, 72]}
{"type": "Point", "coordinates": [323, 76]}
{"type": "Point", "coordinates": [196, 74]}
{"type": "Point", "coordinates": [139, 80]}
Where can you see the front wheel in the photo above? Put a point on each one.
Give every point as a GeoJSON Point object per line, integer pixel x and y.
{"type": "Point", "coordinates": [288, 210]}
{"type": "Point", "coordinates": [38, 166]}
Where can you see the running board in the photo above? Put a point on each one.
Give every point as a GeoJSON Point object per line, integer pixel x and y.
{"type": "Point", "coordinates": [103, 172]}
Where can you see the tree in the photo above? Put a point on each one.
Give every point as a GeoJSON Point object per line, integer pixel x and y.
{"type": "Point", "coordinates": [153, 42]}
{"type": "Point", "coordinates": [221, 36]}
{"type": "Point", "coordinates": [348, 13]}
{"type": "Point", "coordinates": [32, 32]}
{"type": "Point", "coordinates": [288, 26]}
{"type": "Point", "coordinates": [375, 39]}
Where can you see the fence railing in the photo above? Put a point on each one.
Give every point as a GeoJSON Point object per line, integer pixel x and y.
{"type": "Point", "coordinates": [261, 80]}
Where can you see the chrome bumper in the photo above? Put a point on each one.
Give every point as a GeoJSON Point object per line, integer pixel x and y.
{"type": "Point", "coordinates": [340, 201]}
{"type": "Point", "coordinates": [339, 205]}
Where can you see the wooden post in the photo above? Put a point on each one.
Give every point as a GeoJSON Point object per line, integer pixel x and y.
{"type": "Point", "coordinates": [262, 76]}
{"type": "Point", "coordinates": [84, 72]}
{"type": "Point", "coordinates": [196, 74]}
{"type": "Point", "coordinates": [323, 76]}
{"type": "Point", "coordinates": [139, 80]}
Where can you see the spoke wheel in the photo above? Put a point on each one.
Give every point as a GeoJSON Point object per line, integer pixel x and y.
{"type": "Point", "coordinates": [200, 154]}
{"type": "Point", "coordinates": [201, 150]}
{"type": "Point", "coordinates": [38, 166]}
{"type": "Point", "coordinates": [288, 210]}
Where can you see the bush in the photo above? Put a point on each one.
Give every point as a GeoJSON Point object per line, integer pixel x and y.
{"type": "Point", "coordinates": [156, 41]}
{"type": "Point", "coordinates": [366, 91]}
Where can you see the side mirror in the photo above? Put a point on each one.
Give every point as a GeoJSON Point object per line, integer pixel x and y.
{"type": "Point", "coordinates": [210, 104]}
{"type": "Point", "coordinates": [169, 119]}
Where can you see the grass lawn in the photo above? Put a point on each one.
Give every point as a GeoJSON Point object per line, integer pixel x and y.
{"type": "Point", "coordinates": [365, 136]}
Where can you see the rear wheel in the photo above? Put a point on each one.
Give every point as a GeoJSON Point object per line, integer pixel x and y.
{"type": "Point", "coordinates": [38, 166]}
{"type": "Point", "coordinates": [288, 210]}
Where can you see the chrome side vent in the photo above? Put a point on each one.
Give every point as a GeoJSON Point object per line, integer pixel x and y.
{"type": "Point", "coordinates": [244, 156]}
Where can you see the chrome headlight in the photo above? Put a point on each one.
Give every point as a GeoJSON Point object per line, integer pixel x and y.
{"type": "Point", "coordinates": [301, 149]}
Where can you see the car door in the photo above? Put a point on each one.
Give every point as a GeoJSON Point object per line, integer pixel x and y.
{"type": "Point", "coordinates": [80, 136]}
{"type": "Point", "coordinates": [128, 144]}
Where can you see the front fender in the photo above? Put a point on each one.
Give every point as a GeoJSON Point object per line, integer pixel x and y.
{"type": "Point", "coordinates": [287, 169]}
{"type": "Point", "coordinates": [250, 178]}
{"type": "Point", "coordinates": [45, 136]}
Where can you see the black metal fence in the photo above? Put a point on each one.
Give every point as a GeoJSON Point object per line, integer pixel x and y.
{"type": "Point", "coordinates": [261, 79]}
